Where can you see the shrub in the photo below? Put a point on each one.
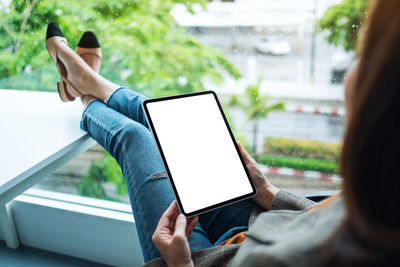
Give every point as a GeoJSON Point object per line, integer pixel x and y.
{"type": "Point", "coordinates": [302, 148]}
{"type": "Point", "coordinates": [89, 187]}
{"type": "Point", "coordinates": [299, 163]}
{"type": "Point", "coordinates": [107, 170]}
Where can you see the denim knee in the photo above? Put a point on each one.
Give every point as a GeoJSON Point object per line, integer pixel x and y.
{"type": "Point", "coordinates": [132, 135]}
{"type": "Point", "coordinates": [132, 131]}
{"type": "Point", "coordinates": [83, 122]}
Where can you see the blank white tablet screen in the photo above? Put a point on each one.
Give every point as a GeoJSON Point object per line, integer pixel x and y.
{"type": "Point", "coordinates": [199, 151]}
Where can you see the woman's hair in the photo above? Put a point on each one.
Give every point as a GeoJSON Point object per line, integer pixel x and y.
{"type": "Point", "coordinates": [370, 158]}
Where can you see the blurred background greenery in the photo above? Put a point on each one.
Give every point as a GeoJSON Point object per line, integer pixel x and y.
{"type": "Point", "coordinates": [343, 22]}
{"type": "Point", "coordinates": [145, 49]}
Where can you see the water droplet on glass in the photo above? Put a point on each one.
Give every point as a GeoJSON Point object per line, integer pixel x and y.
{"type": "Point", "coordinates": [182, 80]}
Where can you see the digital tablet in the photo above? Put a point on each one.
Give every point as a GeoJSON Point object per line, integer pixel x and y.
{"type": "Point", "coordinates": [200, 154]}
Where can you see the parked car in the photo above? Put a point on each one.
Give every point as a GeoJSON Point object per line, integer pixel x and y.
{"type": "Point", "coordinates": [272, 46]}
{"type": "Point", "coordinates": [340, 62]}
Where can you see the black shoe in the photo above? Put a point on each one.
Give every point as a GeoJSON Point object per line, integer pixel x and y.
{"type": "Point", "coordinates": [54, 37]}
{"type": "Point", "coordinates": [88, 40]}
{"type": "Point", "coordinates": [53, 30]}
{"type": "Point", "coordinates": [89, 45]}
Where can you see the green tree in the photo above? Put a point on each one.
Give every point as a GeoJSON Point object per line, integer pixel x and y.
{"type": "Point", "coordinates": [106, 170]}
{"type": "Point", "coordinates": [142, 44]}
{"type": "Point", "coordinates": [256, 107]}
{"type": "Point", "coordinates": [343, 21]}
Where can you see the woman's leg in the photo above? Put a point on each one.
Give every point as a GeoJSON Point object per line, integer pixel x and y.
{"type": "Point", "coordinates": [129, 103]}
{"type": "Point", "coordinates": [133, 146]}
{"type": "Point", "coordinates": [227, 221]}
{"type": "Point", "coordinates": [216, 222]}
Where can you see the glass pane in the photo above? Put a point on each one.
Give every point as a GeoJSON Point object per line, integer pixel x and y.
{"type": "Point", "coordinates": [280, 81]}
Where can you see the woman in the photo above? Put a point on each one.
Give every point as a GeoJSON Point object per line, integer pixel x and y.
{"type": "Point", "coordinates": [285, 229]}
{"type": "Point", "coordinates": [370, 234]}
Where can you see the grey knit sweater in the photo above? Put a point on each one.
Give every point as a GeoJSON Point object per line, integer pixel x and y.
{"type": "Point", "coordinates": [287, 235]}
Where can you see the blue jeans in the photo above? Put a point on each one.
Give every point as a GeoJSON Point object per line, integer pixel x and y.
{"type": "Point", "coordinates": [120, 127]}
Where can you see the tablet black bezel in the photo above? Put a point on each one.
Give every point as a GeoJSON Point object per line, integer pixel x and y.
{"type": "Point", "coordinates": [170, 178]}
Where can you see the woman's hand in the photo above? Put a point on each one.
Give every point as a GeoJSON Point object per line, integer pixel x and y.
{"type": "Point", "coordinates": [265, 190]}
{"type": "Point", "coordinates": [171, 234]}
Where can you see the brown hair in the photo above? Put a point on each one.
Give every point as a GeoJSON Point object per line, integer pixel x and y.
{"type": "Point", "coordinates": [370, 158]}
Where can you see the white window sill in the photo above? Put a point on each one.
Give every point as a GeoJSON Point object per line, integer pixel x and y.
{"type": "Point", "coordinates": [96, 230]}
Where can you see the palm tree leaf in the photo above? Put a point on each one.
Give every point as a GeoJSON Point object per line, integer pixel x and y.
{"type": "Point", "coordinates": [234, 101]}
{"type": "Point", "coordinates": [276, 106]}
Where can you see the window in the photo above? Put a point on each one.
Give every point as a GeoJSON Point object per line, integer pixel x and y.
{"type": "Point", "coordinates": [280, 81]}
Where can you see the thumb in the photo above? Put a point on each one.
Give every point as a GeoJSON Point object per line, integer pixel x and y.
{"type": "Point", "coordinates": [180, 226]}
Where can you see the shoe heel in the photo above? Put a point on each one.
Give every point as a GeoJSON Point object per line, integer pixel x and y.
{"type": "Point", "coordinates": [63, 92]}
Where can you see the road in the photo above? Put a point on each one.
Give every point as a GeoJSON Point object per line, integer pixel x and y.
{"type": "Point", "coordinates": [294, 67]}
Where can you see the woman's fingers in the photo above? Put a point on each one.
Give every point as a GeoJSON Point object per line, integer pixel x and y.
{"type": "Point", "coordinates": [168, 217]}
{"type": "Point", "coordinates": [173, 220]}
{"type": "Point", "coordinates": [172, 216]}
{"type": "Point", "coordinates": [246, 156]}
{"type": "Point", "coordinates": [180, 226]}
{"type": "Point", "coordinates": [171, 209]}
{"type": "Point", "coordinates": [190, 225]}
